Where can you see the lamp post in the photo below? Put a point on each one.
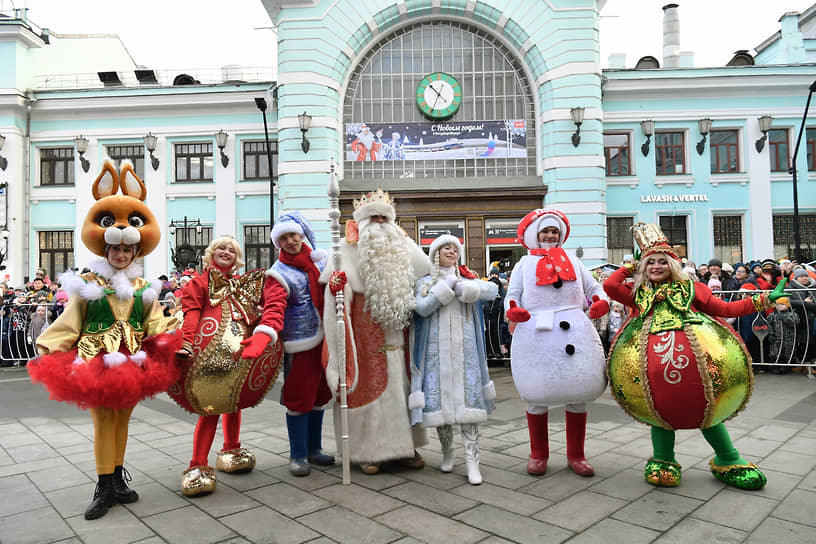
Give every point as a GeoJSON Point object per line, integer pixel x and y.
{"type": "Point", "coordinates": [260, 102]}
{"type": "Point", "coordinates": [797, 245]}
{"type": "Point", "coordinates": [186, 255]}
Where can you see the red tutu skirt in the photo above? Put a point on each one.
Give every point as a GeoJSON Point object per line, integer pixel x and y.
{"type": "Point", "coordinates": [91, 384]}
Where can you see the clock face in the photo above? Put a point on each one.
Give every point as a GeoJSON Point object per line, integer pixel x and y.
{"type": "Point", "coordinates": [439, 95]}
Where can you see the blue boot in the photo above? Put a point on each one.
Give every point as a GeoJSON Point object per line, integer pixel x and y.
{"type": "Point", "coordinates": [316, 454]}
{"type": "Point", "coordinates": [298, 426]}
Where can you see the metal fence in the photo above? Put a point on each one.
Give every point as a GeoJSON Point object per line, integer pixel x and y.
{"type": "Point", "coordinates": [21, 323]}
{"type": "Point", "coordinates": [779, 339]}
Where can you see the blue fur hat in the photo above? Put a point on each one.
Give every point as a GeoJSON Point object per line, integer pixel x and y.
{"type": "Point", "coordinates": [292, 222]}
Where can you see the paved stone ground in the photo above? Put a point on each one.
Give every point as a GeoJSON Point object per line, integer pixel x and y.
{"type": "Point", "coordinates": [47, 478]}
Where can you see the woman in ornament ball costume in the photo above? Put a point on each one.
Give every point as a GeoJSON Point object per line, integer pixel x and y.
{"type": "Point", "coordinates": [676, 365]}
{"type": "Point", "coordinates": [220, 312]}
{"type": "Point", "coordinates": [108, 350]}
{"type": "Point", "coordinates": [556, 354]}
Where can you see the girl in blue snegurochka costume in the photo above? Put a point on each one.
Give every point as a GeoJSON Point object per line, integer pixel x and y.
{"type": "Point", "coordinates": [450, 383]}
{"type": "Point", "coordinates": [109, 349]}
{"type": "Point", "coordinates": [676, 365]}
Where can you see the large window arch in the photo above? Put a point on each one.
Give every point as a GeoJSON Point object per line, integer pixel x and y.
{"type": "Point", "coordinates": [383, 88]}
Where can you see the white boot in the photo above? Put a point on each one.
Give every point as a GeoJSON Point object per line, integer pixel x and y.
{"type": "Point", "coordinates": [470, 436]}
{"type": "Point", "coordinates": [445, 433]}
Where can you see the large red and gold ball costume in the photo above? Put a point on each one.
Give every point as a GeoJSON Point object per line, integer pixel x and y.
{"type": "Point", "coordinates": [217, 380]}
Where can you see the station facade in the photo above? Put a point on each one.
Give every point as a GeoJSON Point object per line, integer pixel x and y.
{"type": "Point", "coordinates": [470, 113]}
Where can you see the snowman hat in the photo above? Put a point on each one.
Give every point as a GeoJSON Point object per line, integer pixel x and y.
{"type": "Point", "coordinates": [535, 221]}
{"type": "Point", "coordinates": [442, 241]}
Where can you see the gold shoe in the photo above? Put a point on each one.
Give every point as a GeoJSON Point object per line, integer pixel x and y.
{"type": "Point", "coordinates": [415, 462]}
{"type": "Point", "coordinates": [237, 460]}
{"type": "Point", "coordinates": [370, 468]}
{"type": "Point", "coordinates": [198, 481]}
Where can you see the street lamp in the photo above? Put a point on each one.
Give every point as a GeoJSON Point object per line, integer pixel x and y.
{"type": "Point", "coordinates": [221, 142]}
{"type": "Point", "coordinates": [577, 115]}
{"type": "Point", "coordinates": [184, 255]}
{"type": "Point", "coordinates": [647, 127]}
{"type": "Point", "coordinates": [705, 128]}
{"type": "Point", "coordinates": [150, 144]}
{"type": "Point", "coordinates": [797, 245]}
{"type": "Point", "coordinates": [260, 102]}
{"type": "Point", "coordinates": [81, 144]}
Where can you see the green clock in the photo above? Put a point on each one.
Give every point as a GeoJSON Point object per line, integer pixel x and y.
{"type": "Point", "coordinates": [439, 95]}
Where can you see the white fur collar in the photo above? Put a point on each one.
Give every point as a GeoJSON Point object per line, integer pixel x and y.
{"type": "Point", "coordinates": [120, 280]}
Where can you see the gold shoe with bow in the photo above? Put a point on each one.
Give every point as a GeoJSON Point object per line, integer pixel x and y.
{"type": "Point", "coordinates": [237, 460]}
{"type": "Point", "coordinates": [198, 481]}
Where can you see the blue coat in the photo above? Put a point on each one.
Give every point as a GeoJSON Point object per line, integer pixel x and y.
{"type": "Point", "coordinates": [450, 382]}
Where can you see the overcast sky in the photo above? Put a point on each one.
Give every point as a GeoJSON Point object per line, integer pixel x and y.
{"type": "Point", "coordinates": [171, 34]}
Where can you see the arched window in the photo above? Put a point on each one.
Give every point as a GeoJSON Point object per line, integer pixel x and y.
{"type": "Point", "coordinates": [382, 93]}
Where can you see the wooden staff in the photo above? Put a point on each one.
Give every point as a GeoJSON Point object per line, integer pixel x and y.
{"type": "Point", "coordinates": [339, 299]}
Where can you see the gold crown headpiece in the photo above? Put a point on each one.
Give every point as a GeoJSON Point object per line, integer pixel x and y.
{"type": "Point", "coordinates": [650, 239]}
{"type": "Point", "coordinates": [374, 196]}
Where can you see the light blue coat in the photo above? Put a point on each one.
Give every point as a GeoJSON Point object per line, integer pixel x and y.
{"type": "Point", "coordinates": [450, 383]}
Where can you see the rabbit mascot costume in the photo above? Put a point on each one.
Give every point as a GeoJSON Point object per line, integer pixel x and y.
{"type": "Point", "coordinates": [110, 347]}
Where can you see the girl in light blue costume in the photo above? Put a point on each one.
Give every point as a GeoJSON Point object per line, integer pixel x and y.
{"type": "Point", "coordinates": [450, 383]}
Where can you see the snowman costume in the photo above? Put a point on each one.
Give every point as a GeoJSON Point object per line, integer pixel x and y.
{"type": "Point", "coordinates": [557, 356]}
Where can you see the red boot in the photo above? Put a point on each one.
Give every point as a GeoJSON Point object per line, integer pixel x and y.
{"type": "Point", "coordinates": [576, 432]}
{"type": "Point", "coordinates": [539, 443]}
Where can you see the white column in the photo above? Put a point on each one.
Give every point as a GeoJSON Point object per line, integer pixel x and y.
{"type": "Point", "coordinates": [225, 200]}
{"type": "Point", "coordinates": [158, 262]}
{"type": "Point", "coordinates": [83, 181]}
{"type": "Point", "coordinates": [758, 166]}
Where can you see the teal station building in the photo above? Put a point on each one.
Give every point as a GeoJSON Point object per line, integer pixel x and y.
{"type": "Point", "coordinates": [469, 112]}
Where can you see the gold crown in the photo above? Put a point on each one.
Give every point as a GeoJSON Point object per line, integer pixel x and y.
{"type": "Point", "coordinates": [374, 196]}
{"type": "Point", "coordinates": [650, 239]}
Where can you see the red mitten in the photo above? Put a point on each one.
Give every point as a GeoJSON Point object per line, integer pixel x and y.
{"type": "Point", "coordinates": [337, 280]}
{"type": "Point", "coordinates": [254, 345]}
{"type": "Point", "coordinates": [599, 307]}
{"type": "Point", "coordinates": [517, 313]}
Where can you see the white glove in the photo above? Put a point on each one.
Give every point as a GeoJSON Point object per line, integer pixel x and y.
{"type": "Point", "coordinates": [457, 289]}
{"type": "Point", "coordinates": [451, 280]}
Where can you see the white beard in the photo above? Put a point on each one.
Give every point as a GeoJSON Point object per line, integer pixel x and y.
{"type": "Point", "coordinates": [366, 138]}
{"type": "Point", "coordinates": [387, 275]}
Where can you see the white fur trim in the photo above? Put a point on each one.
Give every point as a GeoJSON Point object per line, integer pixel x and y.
{"type": "Point", "coordinates": [267, 330]}
{"type": "Point", "coordinates": [139, 357]}
{"type": "Point", "coordinates": [375, 208]}
{"type": "Point", "coordinates": [71, 283]}
{"type": "Point", "coordinates": [444, 240]}
{"type": "Point", "coordinates": [285, 227]}
{"type": "Point", "coordinates": [531, 234]}
{"type": "Point", "coordinates": [416, 400]}
{"type": "Point", "coordinates": [317, 255]}
{"type": "Point", "coordinates": [114, 359]}
{"type": "Point", "coordinates": [280, 279]}
{"type": "Point", "coordinates": [442, 292]}
{"type": "Point", "coordinates": [120, 280]}
{"type": "Point", "coordinates": [470, 292]}
{"type": "Point", "coordinates": [296, 346]}
{"type": "Point", "coordinates": [150, 295]}
{"type": "Point", "coordinates": [90, 291]}
{"type": "Point", "coordinates": [489, 391]}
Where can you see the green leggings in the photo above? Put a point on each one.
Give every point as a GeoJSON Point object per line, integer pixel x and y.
{"type": "Point", "coordinates": [717, 436]}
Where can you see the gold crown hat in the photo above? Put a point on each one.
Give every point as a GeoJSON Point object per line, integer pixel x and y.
{"type": "Point", "coordinates": [377, 202]}
{"type": "Point", "coordinates": [650, 239]}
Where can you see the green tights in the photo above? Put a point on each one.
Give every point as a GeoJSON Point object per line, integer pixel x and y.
{"type": "Point", "coordinates": [717, 436]}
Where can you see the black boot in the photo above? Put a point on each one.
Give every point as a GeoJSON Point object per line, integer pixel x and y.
{"type": "Point", "coordinates": [103, 497]}
{"type": "Point", "coordinates": [123, 494]}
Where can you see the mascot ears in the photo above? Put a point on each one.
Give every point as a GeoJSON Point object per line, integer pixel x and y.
{"type": "Point", "coordinates": [110, 181]}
